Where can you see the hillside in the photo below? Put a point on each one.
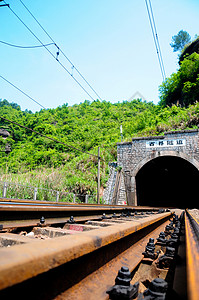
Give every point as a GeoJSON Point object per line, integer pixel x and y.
{"type": "Point", "coordinates": [189, 49]}
{"type": "Point", "coordinates": [38, 161]}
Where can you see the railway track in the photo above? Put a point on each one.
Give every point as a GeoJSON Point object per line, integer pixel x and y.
{"type": "Point", "coordinates": [59, 251]}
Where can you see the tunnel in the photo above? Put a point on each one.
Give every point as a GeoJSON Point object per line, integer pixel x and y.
{"type": "Point", "coordinates": [168, 181]}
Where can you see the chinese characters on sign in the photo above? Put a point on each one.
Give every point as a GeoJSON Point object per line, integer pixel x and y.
{"type": "Point", "coordinates": [165, 143]}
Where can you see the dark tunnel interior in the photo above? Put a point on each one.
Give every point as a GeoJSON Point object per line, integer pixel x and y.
{"type": "Point", "coordinates": [168, 181]}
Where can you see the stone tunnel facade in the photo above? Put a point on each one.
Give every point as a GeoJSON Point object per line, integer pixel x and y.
{"type": "Point", "coordinates": [135, 155]}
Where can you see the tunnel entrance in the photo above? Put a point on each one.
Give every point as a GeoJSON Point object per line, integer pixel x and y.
{"type": "Point", "coordinates": [168, 181]}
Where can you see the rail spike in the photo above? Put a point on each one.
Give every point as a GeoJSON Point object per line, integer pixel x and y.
{"type": "Point", "coordinates": [157, 290]}
{"type": "Point", "coordinates": [150, 250]}
{"type": "Point", "coordinates": [123, 289]}
{"type": "Point", "coordinates": [161, 240]}
{"type": "Point", "coordinates": [166, 260]}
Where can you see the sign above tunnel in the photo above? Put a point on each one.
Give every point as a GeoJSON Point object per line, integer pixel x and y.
{"type": "Point", "coordinates": [165, 143]}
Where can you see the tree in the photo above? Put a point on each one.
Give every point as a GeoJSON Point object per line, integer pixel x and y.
{"type": "Point", "coordinates": [182, 87]}
{"type": "Point", "coordinates": [180, 40]}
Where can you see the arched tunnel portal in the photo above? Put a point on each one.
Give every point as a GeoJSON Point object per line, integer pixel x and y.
{"type": "Point", "coordinates": [168, 181]}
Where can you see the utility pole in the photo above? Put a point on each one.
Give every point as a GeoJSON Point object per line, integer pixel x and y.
{"type": "Point", "coordinates": [98, 178]}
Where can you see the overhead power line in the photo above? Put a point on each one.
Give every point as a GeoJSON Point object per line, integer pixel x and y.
{"type": "Point", "coordinates": [39, 132]}
{"type": "Point", "coordinates": [55, 57]}
{"type": "Point", "coordinates": [156, 35]}
{"type": "Point", "coordinates": [155, 38]}
{"type": "Point", "coordinates": [57, 54]}
{"type": "Point", "coordinates": [22, 91]}
{"type": "Point", "coordinates": [49, 138]}
{"type": "Point", "coordinates": [26, 47]}
{"type": "Point", "coordinates": [73, 66]}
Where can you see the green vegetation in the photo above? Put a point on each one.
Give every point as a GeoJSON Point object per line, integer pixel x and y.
{"type": "Point", "coordinates": [37, 161]}
{"type": "Point", "coordinates": [182, 87]}
{"type": "Point", "coordinates": [41, 162]}
{"type": "Point", "coordinates": [189, 49]}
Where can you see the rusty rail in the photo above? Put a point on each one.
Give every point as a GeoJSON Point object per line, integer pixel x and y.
{"type": "Point", "coordinates": [82, 259]}
{"type": "Point", "coordinates": [21, 213]}
{"type": "Point", "coordinates": [192, 254]}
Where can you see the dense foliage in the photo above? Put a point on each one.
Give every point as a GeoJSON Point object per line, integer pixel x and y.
{"type": "Point", "coordinates": [189, 49]}
{"type": "Point", "coordinates": [41, 162]}
{"type": "Point", "coordinates": [182, 87]}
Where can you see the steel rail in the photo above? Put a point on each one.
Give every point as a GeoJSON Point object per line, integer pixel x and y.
{"type": "Point", "coordinates": [5, 201]}
{"type": "Point", "coordinates": [21, 213]}
{"type": "Point", "coordinates": [44, 207]}
{"type": "Point", "coordinates": [59, 267]}
{"type": "Point", "coordinates": [192, 255]}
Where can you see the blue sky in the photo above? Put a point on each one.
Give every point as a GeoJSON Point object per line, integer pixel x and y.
{"type": "Point", "coordinates": [110, 42]}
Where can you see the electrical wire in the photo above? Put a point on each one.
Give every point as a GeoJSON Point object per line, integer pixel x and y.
{"type": "Point", "coordinates": [46, 109]}
{"type": "Point", "coordinates": [26, 47]}
{"type": "Point", "coordinates": [156, 35]}
{"type": "Point", "coordinates": [21, 91]}
{"type": "Point", "coordinates": [42, 45]}
{"type": "Point", "coordinates": [155, 38]}
{"type": "Point", "coordinates": [32, 130]}
{"type": "Point", "coordinates": [55, 57]}
{"type": "Point", "coordinates": [42, 107]}
{"type": "Point", "coordinates": [49, 138]}
{"type": "Point", "coordinates": [73, 66]}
